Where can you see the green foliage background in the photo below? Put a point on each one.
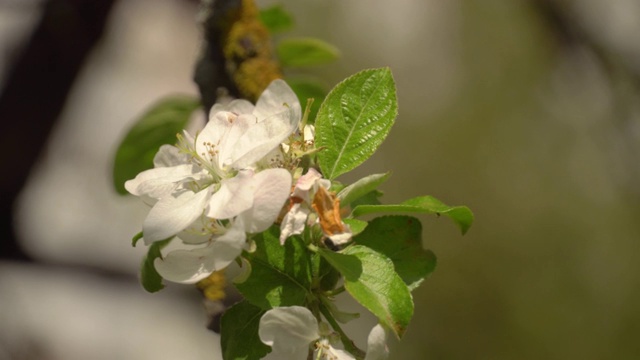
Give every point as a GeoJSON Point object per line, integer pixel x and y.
{"type": "Point", "coordinates": [491, 118]}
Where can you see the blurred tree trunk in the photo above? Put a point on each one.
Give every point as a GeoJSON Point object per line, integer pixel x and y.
{"type": "Point", "coordinates": [35, 92]}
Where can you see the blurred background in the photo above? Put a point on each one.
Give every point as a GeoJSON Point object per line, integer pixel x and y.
{"type": "Point", "coordinates": [527, 111]}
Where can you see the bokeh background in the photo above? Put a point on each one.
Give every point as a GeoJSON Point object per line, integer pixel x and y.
{"type": "Point", "coordinates": [527, 111]}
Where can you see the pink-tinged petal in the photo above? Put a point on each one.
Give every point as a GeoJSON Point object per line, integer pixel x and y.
{"type": "Point", "coordinates": [272, 188]}
{"type": "Point", "coordinates": [261, 138]}
{"type": "Point", "coordinates": [377, 344]}
{"type": "Point", "coordinates": [172, 214]}
{"type": "Point", "coordinates": [307, 182]}
{"type": "Point", "coordinates": [191, 266]}
{"type": "Point", "coordinates": [168, 156]}
{"type": "Point", "coordinates": [160, 182]}
{"type": "Point", "coordinates": [234, 196]}
{"type": "Point", "coordinates": [276, 98]}
{"type": "Point", "coordinates": [294, 221]}
{"type": "Point", "coordinates": [289, 331]}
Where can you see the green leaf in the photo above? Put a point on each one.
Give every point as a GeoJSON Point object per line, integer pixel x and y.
{"type": "Point", "coordinates": [370, 278]}
{"type": "Point", "coordinates": [135, 238]}
{"type": "Point", "coordinates": [157, 126]}
{"type": "Point", "coordinates": [149, 277]}
{"type": "Point", "coordinates": [370, 198]}
{"type": "Point", "coordinates": [461, 215]}
{"type": "Point", "coordinates": [328, 276]}
{"type": "Point", "coordinates": [400, 239]}
{"type": "Point", "coordinates": [356, 226]}
{"type": "Point", "coordinates": [354, 119]}
{"type": "Point", "coordinates": [308, 89]}
{"type": "Point", "coordinates": [276, 19]}
{"type": "Point", "coordinates": [360, 188]}
{"type": "Point", "coordinates": [298, 52]}
{"type": "Point", "coordinates": [280, 275]}
{"type": "Point", "coordinates": [239, 337]}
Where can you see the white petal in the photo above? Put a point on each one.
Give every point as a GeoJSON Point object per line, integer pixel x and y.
{"type": "Point", "coordinates": [261, 138]}
{"type": "Point", "coordinates": [196, 233]}
{"type": "Point", "coordinates": [169, 155]}
{"type": "Point", "coordinates": [342, 238]}
{"type": "Point", "coordinates": [293, 222]}
{"type": "Point", "coordinates": [227, 144]}
{"type": "Point", "coordinates": [191, 266]}
{"type": "Point", "coordinates": [186, 266]}
{"type": "Point", "coordinates": [289, 331]}
{"type": "Point", "coordinates": [240, 106]}
{"type": "Point", "coordinates": [305, 183]}
{"type": "Point", "coordinates": [337, 354]}
{"type": "Point", "coordinates": [377, 344]}
{"type": "Point", "coordinates": [309, 133]}
{"type": "Point", "coordinates": [234, 196]}
{"type": "Point", "coordinates": [159, 182]}
{"type": "Point", "coordinates": [277, 97]}
{"type": "Point", "coordinates": [171, 215]}
{"type": "Point", "coordinates": [272, 188]}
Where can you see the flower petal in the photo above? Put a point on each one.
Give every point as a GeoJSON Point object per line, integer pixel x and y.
{"type": "Point", "coordinates": [234, 196]}
{"type": "Point", "coordinates": [276, 98]}
{"type": "Point", "coordinates": [261, 138]}
{"type": "Point", "coordinates": [377, 344]}
{"type": "Point", "coordinates": [171, 215]}
{"type": "Point", "coordinates": [240, 106]}
{"type": "Point", "coordinates": [196, 233]}
{"type": "Point", "coordinates": [289, 331]}
{"type": "Point", "coordinates": [293, 222]}
{"type": "Point", "coordinates": [160, 182]}
{"type": "Point", "coordinates": [186, 266]}
{"type": "Point", "coordinates": [272, 188]}
{"type": "Point", "coordinates": [337, 354]}
{"type": "Point", "coordinates": [307, 182]}
{"type": "Point", "coordinates": [169, 155]}
{"type": "Point", "coordinates": [191, 266]}
{"type": "Point", "coordinates": [227, 145]}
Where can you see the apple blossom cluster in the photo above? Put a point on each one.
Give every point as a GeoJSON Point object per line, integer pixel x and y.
{"type": "Point", "coordinates": [231, 179]}
{"type": "Point", "coordinates": [256, 186]}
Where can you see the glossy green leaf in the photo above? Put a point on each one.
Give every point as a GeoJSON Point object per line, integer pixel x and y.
{"type": "Point", "coordinates": [149, 277]}
{"type": "Point", "coordinates": [461, 215]}
{"type": "Point", "coordinates": [370, 198]}
{"type": "Point", "coordinates": [370, 278]}
{"type": "Point", "coordinates": [354, 119]}
{"type": "Point", "coordinates": [276, 19]}
{"type": "Point", "coordinates": [327, 275]}
{"type": "Point", "coordinates": [308, 89]}
{"type": "Point", "coordinates": [400, 239]}
{"type": "Point", "coordinates": [239, 337]}
{"type": "Point", "coordinates": [360, 188]}
{"type": "Point", "coordinates": [280, 275]}
{"type": "Point", "coordinates": [298, 52]}
{"type": "Point", "coordinates": [157, 126]}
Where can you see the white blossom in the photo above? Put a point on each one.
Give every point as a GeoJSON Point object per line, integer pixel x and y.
{"type": "Point", "coordinates": [295, 219]}
{"type": "Point", "coordinates": [290, 331]}
{"type": "Point", "coordinates": [215, 176]}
